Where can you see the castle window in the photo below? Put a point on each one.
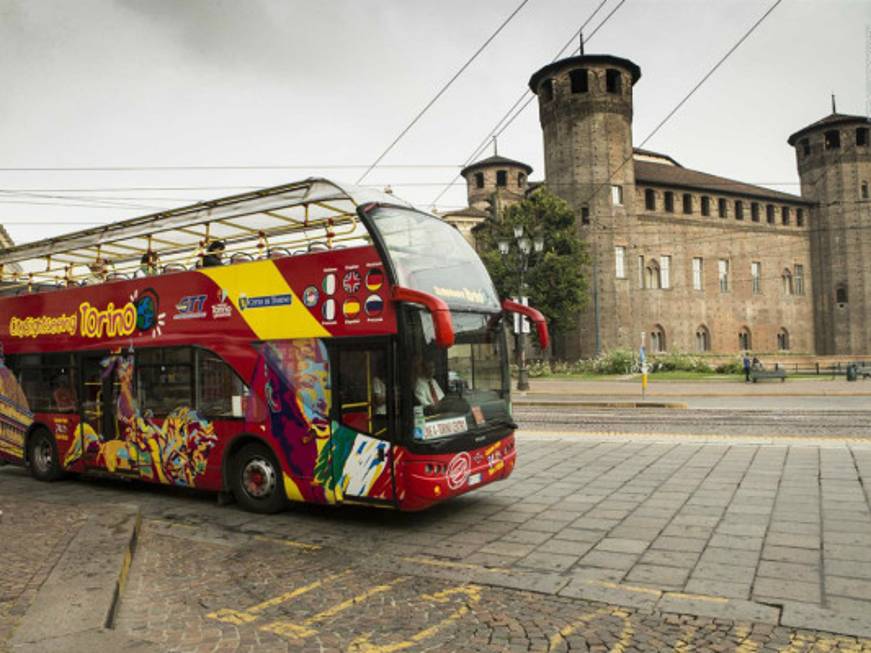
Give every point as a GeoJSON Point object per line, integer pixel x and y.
{"type": "Point", "coordinates": [703, 339]}
{"type": "Point", "coordinates": [783, 339]}
{"type": "Point", "coordinates": [669, 201]}
{"type": "Point", "coordinates": [650, 199]}
{"type": "Point", "coordinates": [784, 215]}
{"type": "Point", "coordinates": [479, 180]}
{"type": "Point", "coordinates": [613, 80]}
{"type": "Point", "coordinates": [617, 195]}
{"type": "Point", "coordinates": [832, 139]}
{"type": "Point", "coordinates": [721, 207]}
{"type": "Point", "coordinates": [652, 274]}
{"type": "Point", "coordinates": [697, 273]}
{"type": "Point", "coordinates": [798, 280]}
{"type": "Point", "coordinates": [687, 203]}
{"type": "Point", "coordinates": [723, 274]}
{"type": "Point", "coordinates": [744, 340]}
{"type": "Point", "coordinates": [501, 178]}
{"type": "Point", "coordinates": [841, 294]}
{"type": "Point", "coordinates": [769, 213]}
{"type": "Point", "coordinates": [706, 205]}
{"type": "Point", "coordinates": [641, 272]}
{"type": "Point", "coordinates": [861, 136]}
{"type": "Point", "coordinates": [620, 262]}
{"type": "Point", "coordinates": [585, 215]}
{"type": "Point", "coordinates": [805, 146]}
{"type": "Point", "coordinates": [579, 80]}
{"type": "Point", "coordinates": [756, 277]}
{"type": "Point", "coordinates": [546, 90]}
{"type": "Point", "coordinates": [864, 190]}
{"type": "Point", "coordinates": [521, 179]}
{"type": "Point", "coordinates": [786, 277]}
{"type": "Point", "coordinates": [665, 272]}
{"type": "Point", "coordinates": [657, 339]}
{"type": "Point", "coordinates": [799, 217]}
{"type": "Point", "coordinates": [739, 210]}
{"type": "Point", "coordinates": [754, 211]}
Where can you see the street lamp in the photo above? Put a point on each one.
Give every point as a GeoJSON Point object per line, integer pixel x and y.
{"type": "Point", "coordinates": [525, 247]}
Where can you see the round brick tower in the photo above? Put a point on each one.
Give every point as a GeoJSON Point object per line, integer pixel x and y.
{"type": "Point", "coordinates": [585, 110]}
{"type": "Point", "coordinates": [834, 164]}
{"type": "Point", "coordinates": [496, 177]}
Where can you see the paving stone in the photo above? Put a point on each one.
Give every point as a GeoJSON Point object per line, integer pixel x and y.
{"type": "Point", "coordinates": [718, 571]}
{"type": "Point", "coordinates": [847, 552]}
{"type": "Point", "coordinates": [548, 561]}
{"type": "Point", "coordinates": [659, 576]}
{"type": "Point", "coordinates": [855, 588]}
{"type": "Point", "coordinates": [790, 554]}
{"type": "Point", "coordinates": [610, 560]}
{"type": "Point", "coordinates": [622, 545]}
{"type": "Point", "coordinates": [848, 568]}
{"type": "Point", "coordinates": [744, 542]}
{"type": "Point", "coordinates": [682, 559]}
{"type": "Point", "coordinates": [579, 535]}
{"type": "Point", "coordinates": [789, 571]}
{"type": "Point", "coordinates": [790, 590]}
{"type": "Point", "coordinates": [737, 557]}
{"type": "Point", "coordinates": [801, 615]}
{"type": "Point", "coordinates": [729, 589]}
{"type": "Point", "coordinates": [566, 547]}
{"type": "Point", "coordinates": [510, 549]}
{"type": "Point", "coordinates": [793, 540]}
{"type": "Point", "coordinates": [678, 544]}
{"type": "Point", "coordinates": [798, 528]}
{"type": "Point", "coordinates": [731, 609]}
{"type": "Point", "coordinates": [527, 537]}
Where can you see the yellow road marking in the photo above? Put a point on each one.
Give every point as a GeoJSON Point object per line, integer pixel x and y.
{"type": "Point", "coordinates": [684, 644]}
{"type": "Point", "coordinates": [362, 644]}
{"type": "Point", "coordinates": [623, 641]}
{"type": "Point", "coordinates": [628, 588]}
{"type": "Point", "coordinates": [238, 617]}
{"type": "Point", "coordinates": [747, 645]}
{"type": "Point", "coordinates": [291, 543]}
{"type": "Point", "coordinates": [697, 597]}
{"type": "Point", "coordinates": [297, 631]}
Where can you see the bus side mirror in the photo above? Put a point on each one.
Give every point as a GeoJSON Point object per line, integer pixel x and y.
{"type": "Point", "coordinates": [537, 318]}
{"type": "Point", "coordinates": [441, 314]}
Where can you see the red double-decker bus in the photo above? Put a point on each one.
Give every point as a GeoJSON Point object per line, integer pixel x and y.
{"type": "Point", "coordinates": [312, 342]}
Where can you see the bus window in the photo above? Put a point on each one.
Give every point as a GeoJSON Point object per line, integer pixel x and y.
{"type": "Point", "coordinates": [164, 379]}
{"type": "Point", "coordinates": [48, 381]}
{"type": "Point", "coordinates": [361, 383]}
{"type": "Point", "coordinates": [219, 390]}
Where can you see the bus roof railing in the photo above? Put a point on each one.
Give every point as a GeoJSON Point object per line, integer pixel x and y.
{"type": "Point", "coordinates": [310, 215]}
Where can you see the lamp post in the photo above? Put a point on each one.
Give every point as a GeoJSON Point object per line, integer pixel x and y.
{"type": "Point", "coordinates": [525, 247]}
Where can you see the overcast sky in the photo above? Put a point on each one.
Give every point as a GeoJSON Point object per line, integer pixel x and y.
{"type": "Point", "coordinates": [97, 83]}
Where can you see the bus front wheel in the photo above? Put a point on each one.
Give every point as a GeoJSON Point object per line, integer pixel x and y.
{"type": "Point", "coordinates": [42, 454]}
{"type": "Point", "coordinates": [256, 479]}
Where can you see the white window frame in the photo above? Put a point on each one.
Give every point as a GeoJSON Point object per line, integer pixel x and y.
{"type": "Point", "coordinates": [616, 195]}
{"type": "Point", "coordinates": [665, 272]}
{"type": "Point", "coordinates": [620, 261]}
{"type": "Point", "coordinates": [698, 266]}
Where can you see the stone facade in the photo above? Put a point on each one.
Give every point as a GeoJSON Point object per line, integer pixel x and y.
{"type": "Point", "coordinates": [694, 261]}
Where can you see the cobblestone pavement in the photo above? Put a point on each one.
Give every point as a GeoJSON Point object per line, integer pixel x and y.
{"type": "Point", "coordinates": [750, 423]}
{"type": "Point", "coordinates": [750, 538]}
{"type": "Point", "coordinates": [31, 541]}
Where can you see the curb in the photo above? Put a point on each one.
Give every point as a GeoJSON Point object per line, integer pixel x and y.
{"type": "Point", "coordinates": [679, 405]}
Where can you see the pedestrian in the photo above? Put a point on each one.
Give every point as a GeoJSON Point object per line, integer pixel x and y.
{"type": "Point", "coordinates": [746, 368]}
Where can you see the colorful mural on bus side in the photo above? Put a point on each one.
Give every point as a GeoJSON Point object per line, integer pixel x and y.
{"type": "Point", "coordinates": [15, 414]}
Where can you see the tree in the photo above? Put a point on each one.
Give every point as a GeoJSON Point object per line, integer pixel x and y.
{"type": "Point", "coordinates": [554, 280]}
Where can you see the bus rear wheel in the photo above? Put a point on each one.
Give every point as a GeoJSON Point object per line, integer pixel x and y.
{"type": "Point", "coordinates": [42, 454]}
{"type": "Point", "coordinates": [256, 479]}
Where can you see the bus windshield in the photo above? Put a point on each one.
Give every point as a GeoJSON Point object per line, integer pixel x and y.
{"type": "Point", "coordinates": [461, 389]}
{"type": "Point", "coordinates": [430, 255]}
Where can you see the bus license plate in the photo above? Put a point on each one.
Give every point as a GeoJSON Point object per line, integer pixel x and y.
{"type": "Point", "coordinates": [474, 479]}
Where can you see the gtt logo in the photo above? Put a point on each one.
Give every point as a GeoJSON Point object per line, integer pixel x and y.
{"type": "Point", "coordinates": [191, 304]}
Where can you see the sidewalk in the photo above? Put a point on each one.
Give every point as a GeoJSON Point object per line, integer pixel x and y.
{"type": "Point", "coordinates": [580, 389]}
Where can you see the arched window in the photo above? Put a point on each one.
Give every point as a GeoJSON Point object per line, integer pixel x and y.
{"type": "Point", "coordinates": [521, 179]}
{"type": "Point", "coordinates": [744, 340]}
{"type": "Point", "coordinates": [703, 339]}
{"type": "Point", "coordinates": [479, 180]}
{"type": "Point", "coordinates": [841, 294]}
{"type": "Point", "coordinates": [783, 339]}
{"type": "Point", "coordinates": [657, 339]}
{"type": "Point", "coordinates": [832, 139]}
{"type": "Point", "coordinates": [787, 282]}
{"type": "Point", "coordinates": [650, 199]}
{"type": "Point", "coordinates": [654, 279]}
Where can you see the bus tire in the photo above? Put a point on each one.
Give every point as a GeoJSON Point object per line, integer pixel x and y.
{"type": "Point", "coordinates": [256, 479]}
{"type": "Point", "coordinates": [42, 456]}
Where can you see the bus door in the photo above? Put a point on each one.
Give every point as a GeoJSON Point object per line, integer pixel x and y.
{"type": "Point", "coordinates": [98, 413]}
{"type": "Point", "coordinates": [363, 420]}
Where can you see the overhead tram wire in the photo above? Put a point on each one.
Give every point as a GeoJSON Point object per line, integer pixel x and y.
{"type": "Point", "coordinates": [500, 127]}
{"type": "Point", "coordinates": [441, 91]}
{"type": "Point", "coordinates": [223, 167]}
